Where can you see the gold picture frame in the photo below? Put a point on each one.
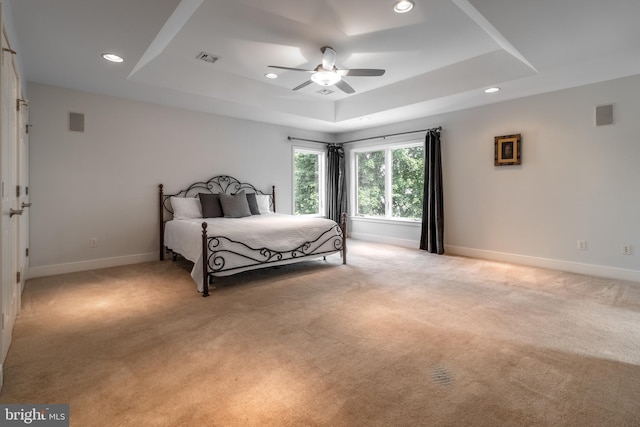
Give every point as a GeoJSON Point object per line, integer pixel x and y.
{"type": "Point", "coordinates": [508, 150]}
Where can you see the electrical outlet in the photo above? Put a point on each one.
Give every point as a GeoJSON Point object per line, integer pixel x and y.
{"type": "Point", "coordinates": [93, 242]}
{"type": "Point", "coordinates": [626, 249]}
{"type": "Point", "coordinates": [582, 245]}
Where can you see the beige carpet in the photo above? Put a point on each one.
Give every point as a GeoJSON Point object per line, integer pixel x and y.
{"type": "Point", "coordinates": [397, 337]}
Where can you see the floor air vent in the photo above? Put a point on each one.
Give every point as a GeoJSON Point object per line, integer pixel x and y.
{"type": "Point", "coordinates": [441, 376]}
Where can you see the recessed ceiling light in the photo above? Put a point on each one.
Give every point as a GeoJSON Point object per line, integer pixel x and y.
{"type": "Point", "coordinates": [271, 75]}
{"type": "Point", "coordinates": [112, 57]}
{"type": "Point", "coordinates": [403, 6]}
{"type": "Point", "coordinates": [492, 90]}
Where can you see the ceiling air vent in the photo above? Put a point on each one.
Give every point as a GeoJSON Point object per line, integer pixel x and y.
{"type": "Point", "coordinates": [207, 57]}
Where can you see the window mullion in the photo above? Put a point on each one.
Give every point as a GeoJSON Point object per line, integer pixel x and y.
{"type": "Point", "coordinates": [388, 183]}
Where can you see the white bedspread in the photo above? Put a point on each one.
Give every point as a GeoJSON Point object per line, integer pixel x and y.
{"type": "Point", "coordinates": [278, 232]}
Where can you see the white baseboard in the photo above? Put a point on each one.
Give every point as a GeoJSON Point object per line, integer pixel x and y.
{"type": "Point", "coordinates": [384, 239]}
{"type": "Point", "coordinates": [553, 264]}
{"type": "Point", "coordinates": [572, 267]}
{"type": "Point", "coordinates": [72, 267]}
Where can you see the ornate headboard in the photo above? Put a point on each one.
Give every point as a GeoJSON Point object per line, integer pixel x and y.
{"type": "Point", "coordinates": [218, 184]}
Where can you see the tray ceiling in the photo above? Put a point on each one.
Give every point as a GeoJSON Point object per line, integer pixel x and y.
{"type": "Point", "coordinates": [439, 57]}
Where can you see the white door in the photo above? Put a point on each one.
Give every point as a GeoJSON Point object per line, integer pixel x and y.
{"type": "Point", "coordinates": [10, 207]}
{"type": "Point", "coordinates": [23, 182]}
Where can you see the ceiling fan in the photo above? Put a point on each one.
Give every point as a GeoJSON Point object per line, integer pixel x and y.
{"type": "Point", "coordinates": [326, 74]}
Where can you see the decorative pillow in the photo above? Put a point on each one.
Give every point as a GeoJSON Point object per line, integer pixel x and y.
{"type": "Point", "coordinates": [253, 204]}
{"type": "Point", "coordinates": [264, 203]}
{"type": "Point", "coordinates": [211, 207]}
{"type": "Point", "coordinates": [186, 208]}
{"type": "Point", "coordinates": [235, 206]}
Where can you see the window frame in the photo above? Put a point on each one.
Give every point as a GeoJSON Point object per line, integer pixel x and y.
{"type": "Point", "coordinates": [322, 177]}
{"type": "Point", "coordinates": [353, 163]}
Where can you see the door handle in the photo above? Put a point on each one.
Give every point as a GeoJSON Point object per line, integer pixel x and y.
{"type": "Point", "coordinates": [26, 205]}
{"type": "Point", "coordinates": [13, 212]}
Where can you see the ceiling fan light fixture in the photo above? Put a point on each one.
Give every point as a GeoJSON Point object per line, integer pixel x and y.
{"type": "Point", "coordinates": [325, 77]}
{"type": "Point", "coordinates": [403, 6]}
{"type": "Point", "coordinates": [271, 75]}
{"type": "Point", "coordinates": [492, 90]}
{"type": "Point", "coordinates": [326, 73]}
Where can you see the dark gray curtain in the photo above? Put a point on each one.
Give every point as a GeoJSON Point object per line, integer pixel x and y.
{"type": "Point", "coordinates": [336, 182]}
{"type": "Point", "coordinates": [432, 236]}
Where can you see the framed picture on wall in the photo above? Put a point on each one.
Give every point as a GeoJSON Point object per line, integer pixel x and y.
{"type": "Point", "coordinates": [508, 150]}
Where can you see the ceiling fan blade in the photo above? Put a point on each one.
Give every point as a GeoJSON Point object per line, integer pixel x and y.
{"type": "Point", "coordinates": [361, 72]}
{"type": "Point", "coordinates": [300, 86]}
{"type": "Point", "coordinates": [328, 58]}
{"type": "Point", "coordinates": [291, 69]}
{"type": "Point", "coordinates": [343, 86]}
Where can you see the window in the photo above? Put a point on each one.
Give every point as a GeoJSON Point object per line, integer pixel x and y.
{"type": "Point", "coordinates": [389, 181]}
{"type": "Point", "coordinates": [309, 167]}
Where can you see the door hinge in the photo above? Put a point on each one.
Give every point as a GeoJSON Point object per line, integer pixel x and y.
{"type": "Point", "coordinates": [18, 277]}
{"type": "Point", "coordinates": [20, 102]}
{"type": "Point", "coordinates": [27, 128]}
{"type": "Point", "coordinates": [17, 191]}
{"type": "Point", "coordinates": [26, 252]}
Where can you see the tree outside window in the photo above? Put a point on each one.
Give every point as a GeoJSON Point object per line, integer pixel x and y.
{"type": "Point", "coordinates": [390, 181]}
{"type": "Point", "coordinates": [308, 181]}
{"type": "Point", "coordinates": [371, 183]}
{"type": "Point", "coordinates": [407, 180]}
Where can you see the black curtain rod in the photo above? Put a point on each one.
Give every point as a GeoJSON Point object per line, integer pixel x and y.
{"type": "Point", "coordinates": [436, 129]}
{"type": "Point", "coordinates": [291, 138]}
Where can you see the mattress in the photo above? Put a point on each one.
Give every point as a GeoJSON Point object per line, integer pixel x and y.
{"type": "Point", "coordinates": [266, 235]}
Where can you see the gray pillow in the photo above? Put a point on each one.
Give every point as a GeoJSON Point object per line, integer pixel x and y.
{"type": "Point", "coordinates": [235, 206]}
{"type": "Point", "coordinates": [210, 204]}
{"type": "Point", "coordinates": [253, 204]}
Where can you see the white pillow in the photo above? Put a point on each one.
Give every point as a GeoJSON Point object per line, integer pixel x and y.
{"type": "Point", "coordinates": [264, 203]}
{"type": "Point", "coordinates": [186, 207]}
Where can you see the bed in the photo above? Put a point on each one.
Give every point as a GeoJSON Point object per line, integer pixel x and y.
{"type": "Point", "coordinates": [225, 227]}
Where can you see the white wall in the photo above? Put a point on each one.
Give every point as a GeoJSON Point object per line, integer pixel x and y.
{"type": "Point", "coordinates": [576, 181]}
{"type": "Point", "coordinates": [7, 20]}
{"type": "Point", "coordinates": [104, 182]}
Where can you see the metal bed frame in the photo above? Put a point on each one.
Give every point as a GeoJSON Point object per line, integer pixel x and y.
{"type": "Point", "coordinates": [214, 256]}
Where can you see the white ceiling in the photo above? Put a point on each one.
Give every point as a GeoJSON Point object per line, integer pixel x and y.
{"type": "Point", "coordinates": [438, 58]}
